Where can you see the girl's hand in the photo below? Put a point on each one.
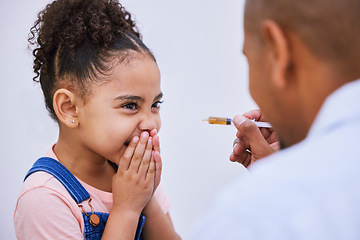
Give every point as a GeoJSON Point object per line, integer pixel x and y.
{"type": "Point", "coordinates": [157, 157]}
{"type": "Point", "coordinates": [133, 184]}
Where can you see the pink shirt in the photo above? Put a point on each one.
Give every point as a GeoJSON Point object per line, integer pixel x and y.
{"type": "Point", "coordinates": [45, 209]}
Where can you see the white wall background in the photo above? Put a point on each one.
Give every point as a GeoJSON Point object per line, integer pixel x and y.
{"type": "Point", "coordinates": [198, 46]}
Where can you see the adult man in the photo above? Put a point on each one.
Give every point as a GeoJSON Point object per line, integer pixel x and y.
{"type": "Point", "coordinates": [304, 74]}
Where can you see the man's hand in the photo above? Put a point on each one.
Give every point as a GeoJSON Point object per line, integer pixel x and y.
{"type": "Point", "coordinates": [252, 143]}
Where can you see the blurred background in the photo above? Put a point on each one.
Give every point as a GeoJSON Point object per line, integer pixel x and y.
{"type": "Point", "coordinates": [198, 46]}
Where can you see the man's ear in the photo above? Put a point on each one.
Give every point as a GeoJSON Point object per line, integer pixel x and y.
{"type": "Point", "coordinates": [65, 107]}
{"type": "Point", "coordinates": [280, 56]}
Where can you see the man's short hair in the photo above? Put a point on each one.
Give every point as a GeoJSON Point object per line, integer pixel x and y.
{"type": "Point", "coordinates": [329, 28]}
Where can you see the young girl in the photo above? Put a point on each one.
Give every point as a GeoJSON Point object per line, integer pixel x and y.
{"type": "Point", "coordinates": [102, 85]}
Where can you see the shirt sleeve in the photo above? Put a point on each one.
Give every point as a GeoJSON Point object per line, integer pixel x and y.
{"type": "Point", "coordinates": [43, 213]}
{"type": "Point", "coordinates": [163, 200]}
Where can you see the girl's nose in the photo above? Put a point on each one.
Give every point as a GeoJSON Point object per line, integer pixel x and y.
{"type": "Point", "coordinates": [148, 123]}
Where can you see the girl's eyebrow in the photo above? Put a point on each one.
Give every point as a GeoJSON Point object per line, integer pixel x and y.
{"type": "Point", "coordinates": [158, 97]}
{"type": "Point", "coordinates": [129, 97]}
{"type": "Point", "coordinates": [136, 98]}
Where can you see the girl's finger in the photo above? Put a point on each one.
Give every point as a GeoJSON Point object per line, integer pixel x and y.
{"type": "Point", "coordinates": [150, 175]}
{"type": "Point", "coordinates": [158, 167]}
{"type": "Point", "coordinates": [139, 153]}
{"type": "Point", "coordinates": [153, 132]}
{"type": "Point", "coordinates": [144, 166]}
{"type": "Point", "coordinates": [126, 158]}
{"type": "Point", "coordinates": [156, 143]}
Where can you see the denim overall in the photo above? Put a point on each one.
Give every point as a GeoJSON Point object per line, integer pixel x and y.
{"type": "Point", "coordinates": [94, 222]}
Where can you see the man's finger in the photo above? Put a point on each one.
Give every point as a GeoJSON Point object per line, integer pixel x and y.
{"type": "Point", "coordinates": [252, 135]}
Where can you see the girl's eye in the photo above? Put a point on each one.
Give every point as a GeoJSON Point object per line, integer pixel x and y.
{"type": "Point", "coordinates": [157, 104]}
{"type": "Point", "coordinates": [131, 106]}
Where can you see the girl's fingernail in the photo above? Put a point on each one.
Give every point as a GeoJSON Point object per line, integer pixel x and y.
{"type": "Point", "coordinates": [144, 135]}
{"type": "Point", "coordinates": [149, 140]}
{"type": "Point", "coordinates": [135, 139]}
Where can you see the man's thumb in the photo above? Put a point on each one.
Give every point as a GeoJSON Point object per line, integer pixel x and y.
{"type": "Point", "coordinates": [251, 133]}
{"type": "Point", "coordinates": [247, 128]}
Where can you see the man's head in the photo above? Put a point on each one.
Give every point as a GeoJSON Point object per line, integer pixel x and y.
{"type": "Point", "coordinates": [299, 51]}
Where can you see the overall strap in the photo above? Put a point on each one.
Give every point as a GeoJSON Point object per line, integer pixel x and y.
{"type": "Point", "coordinates": [61, 173]}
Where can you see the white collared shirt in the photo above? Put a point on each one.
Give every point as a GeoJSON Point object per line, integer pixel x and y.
{"type": "Point", "coordinates": [308, 191]}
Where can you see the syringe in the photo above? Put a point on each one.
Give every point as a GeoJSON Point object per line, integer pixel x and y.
{"type": "Point", "coordinates": [228, 121]}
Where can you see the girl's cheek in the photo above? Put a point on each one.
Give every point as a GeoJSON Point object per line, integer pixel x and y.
{"type": "Point", "coordinates": [158, 124]}
{"type": "Point", "coordinates": [117, 157]}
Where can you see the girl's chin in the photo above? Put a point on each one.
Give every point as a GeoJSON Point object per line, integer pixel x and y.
{"type": "Point", "coordinates": [116, 162]}
{"type": "Point", "coordinates": [116, 159]}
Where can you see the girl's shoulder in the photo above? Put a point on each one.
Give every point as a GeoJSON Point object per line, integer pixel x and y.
{"type": "Point", "coordinates": [44, 188]}
{"type": "Point", "coordinates": [42, 205]}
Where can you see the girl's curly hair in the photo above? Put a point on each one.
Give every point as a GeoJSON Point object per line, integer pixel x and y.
{"type": "Point", "coordinates": [75, 39]}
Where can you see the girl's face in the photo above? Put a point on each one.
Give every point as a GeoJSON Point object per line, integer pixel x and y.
{"type": "Point", "coordinates": [121, 108]}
